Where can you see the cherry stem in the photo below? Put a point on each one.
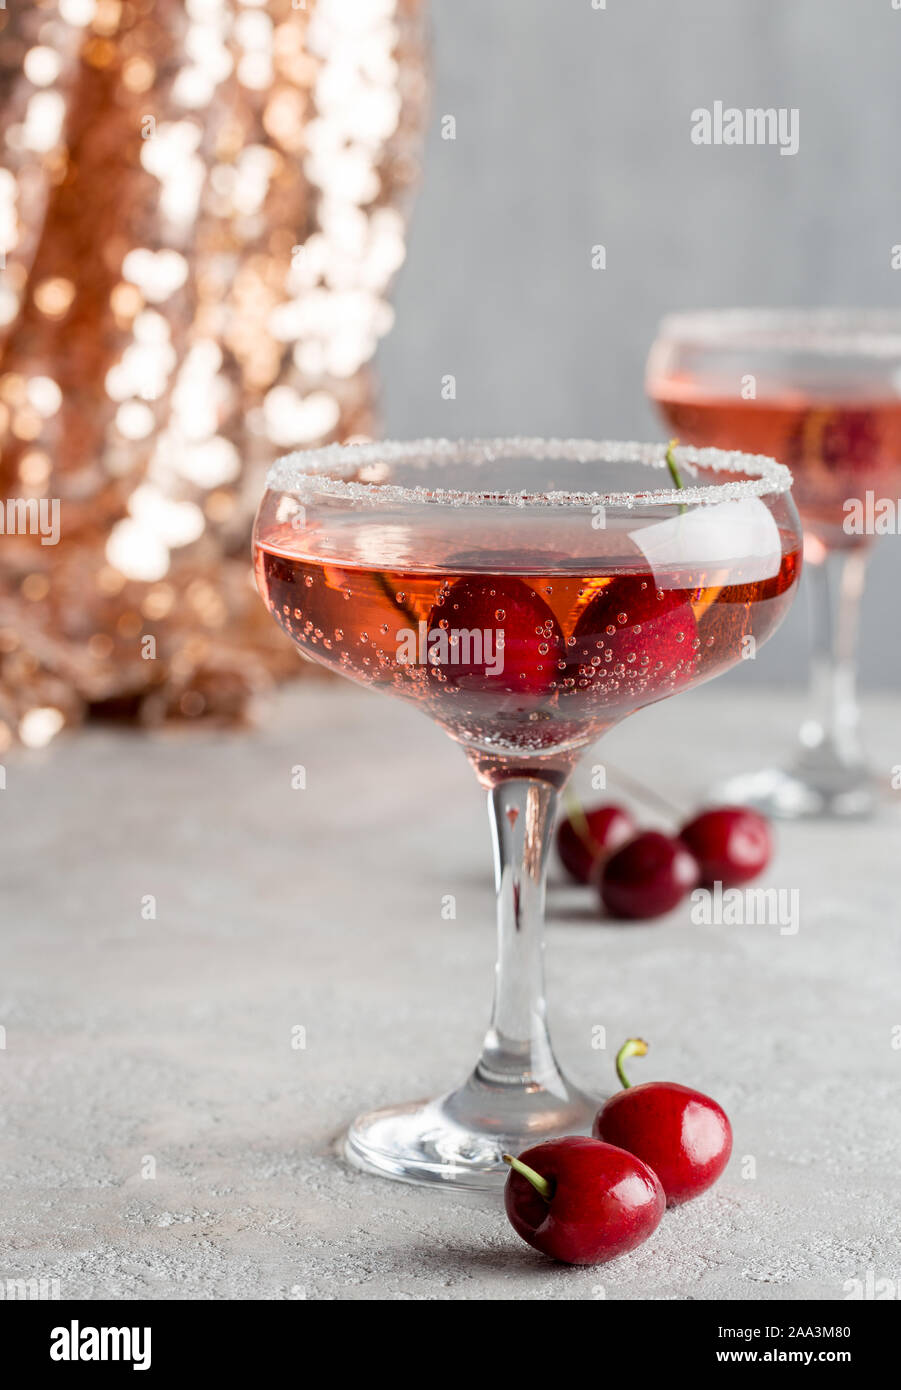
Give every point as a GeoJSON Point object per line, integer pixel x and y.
{"type": "Point", "coordinates": [672, 465]}
{"type": "Point", "coordinates": [541, 1185]}
{"type": "Point", "coordinates": [674, 468]}
{"type": "Point", "coordinates": [579, 821]}
{"type": "Point", "coordinates": [411, 616]}
{"type": "Point", "coordinates": [634, 1047]}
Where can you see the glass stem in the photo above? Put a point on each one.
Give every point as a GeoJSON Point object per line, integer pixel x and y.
{"type": "Point", "coordinates": [831, 733]}
{"type": "Point", "coordinates": [517, 1050]}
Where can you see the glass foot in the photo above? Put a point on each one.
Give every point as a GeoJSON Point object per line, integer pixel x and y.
{"type": "Point", "coordinates": [459, 1140]}
{"type": "Point", "coordinates": [800, 795]}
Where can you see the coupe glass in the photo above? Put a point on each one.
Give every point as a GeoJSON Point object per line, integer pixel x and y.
{"type": "Point", "coordinates": [527, 595]}
{"type": "Point", "coordinates": [820, 390]}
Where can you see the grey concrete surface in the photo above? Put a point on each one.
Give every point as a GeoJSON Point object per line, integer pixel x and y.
{"type": "Point", "coordinates": [572, 130]}
{"type": "Point", "coordinates": [161, 1137]}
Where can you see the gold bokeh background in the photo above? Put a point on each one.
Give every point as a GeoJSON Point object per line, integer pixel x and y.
{"type": "Point", "coordinates": [202, 207]}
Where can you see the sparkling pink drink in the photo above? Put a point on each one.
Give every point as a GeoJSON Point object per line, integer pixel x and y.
{"type": "Point", "coordinates": [525, 649]}
{"type": "Point", "coordinates": [838, 449]}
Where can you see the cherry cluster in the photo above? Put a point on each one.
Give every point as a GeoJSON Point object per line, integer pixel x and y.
{"type": "Point", "coordinates": [645, 873]}
{"type": "Point", "coordinates": [586, 1200]}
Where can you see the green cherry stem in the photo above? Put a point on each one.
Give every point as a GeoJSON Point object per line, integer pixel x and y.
{"type": "Point", "coordinates": [672, 465]}
{"type": "Point", "coordinates": [540, 1184]}
{"type": "Point", "coordinates": [634, 1047]}
{"type": "Point", "coordinates": [674, 469]}
{"type": "Point", "coordinates": [578, 820]}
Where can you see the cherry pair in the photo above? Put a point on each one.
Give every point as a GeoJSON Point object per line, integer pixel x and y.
{"type": "Point", "coordinates": [585, 1201]}
{"type": "Point", "coordinates": [647, 873]}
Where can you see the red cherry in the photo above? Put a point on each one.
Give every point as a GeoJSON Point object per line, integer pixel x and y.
{"type": "Point", "coordinates": [836, 440]}
{"type": "Point", "coordinates": [582, 1201]}
{"type": "Point", "coordinates": [524, 634]}
{"type": "Point", "coordinates": [833, 453]}
{"type": "Point", "coordinates": [647, 877]}
{"type": "Point", "coordinates": [585, 840]}
{"type": "Point", "coordinates": [644, 637]}
{"type": "Point", "coordinates": [683, 1135]}
{"type": "Point", "coordinates": [732, 844]}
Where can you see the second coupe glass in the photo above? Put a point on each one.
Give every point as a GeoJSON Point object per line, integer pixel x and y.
{"type": "Point", "coordinates": [820, 390]}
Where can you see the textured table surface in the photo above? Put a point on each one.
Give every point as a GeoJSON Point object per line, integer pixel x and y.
{"type": "Point", "coordinates": [160, 1136]}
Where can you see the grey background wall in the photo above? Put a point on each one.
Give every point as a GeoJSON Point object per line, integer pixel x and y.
{"type": "Point", "coordinates": [573, 129]}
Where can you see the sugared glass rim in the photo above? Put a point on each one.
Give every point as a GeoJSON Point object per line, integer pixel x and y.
{"type": "Point", "coordinates": [831, 332]}
{"type": "Point", "coordinates": [332, 471]}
